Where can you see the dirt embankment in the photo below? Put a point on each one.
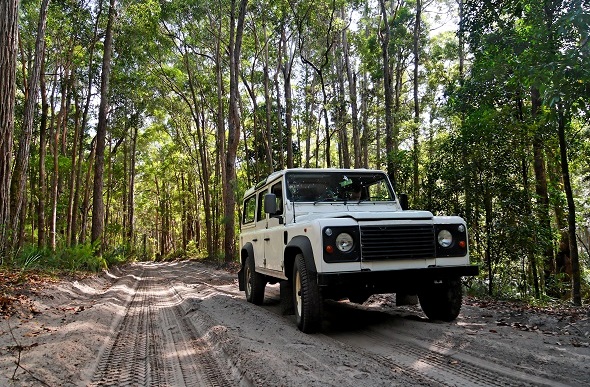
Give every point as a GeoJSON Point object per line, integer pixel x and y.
{"type": "Point", "coordinates": [185, 323]}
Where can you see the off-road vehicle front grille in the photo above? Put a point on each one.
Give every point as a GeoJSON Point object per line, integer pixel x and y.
{"type": "Point", "coordinates": [397, 242]}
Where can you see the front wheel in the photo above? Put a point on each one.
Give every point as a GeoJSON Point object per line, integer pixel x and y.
{"type": "Point", "coordinates": [306, 297]}
{"type": "Point", "coordinates": [442, 300]}
{"type": "Point", "coordinates": [255, 283]}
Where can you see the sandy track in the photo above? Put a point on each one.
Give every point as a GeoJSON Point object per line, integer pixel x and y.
{"type": "Point", "coordinates": [156, 344]}
{"type": "Point", "coordinates": [186, 324]}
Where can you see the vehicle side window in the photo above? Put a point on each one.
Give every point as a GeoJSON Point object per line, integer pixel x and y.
{"type": "Point", "coordinates": [249, 210]}
{"type": "Point", "coordinates": [277, 189]}
{"type": "Point", "coordinates": [261, 215]}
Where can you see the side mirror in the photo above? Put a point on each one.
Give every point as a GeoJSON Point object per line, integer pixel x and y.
{"type": "Point", "coordinates": [270, 203]}
{"type": "Point", "coordinates": [403, 201]}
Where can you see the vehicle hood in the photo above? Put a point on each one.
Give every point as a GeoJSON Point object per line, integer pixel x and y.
{"type": "Point", "coordinates": [366, 215]}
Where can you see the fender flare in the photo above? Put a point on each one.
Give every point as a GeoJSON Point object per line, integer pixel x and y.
{"type": "Point", "coordinates": [299, 243]}
{"type": "Point", "coordinates": [247, 250]}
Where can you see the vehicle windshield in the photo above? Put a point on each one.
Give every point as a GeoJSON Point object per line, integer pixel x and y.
{"type": "Point", "coordinates": [338, 186]}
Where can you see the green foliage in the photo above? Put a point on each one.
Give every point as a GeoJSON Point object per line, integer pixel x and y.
{"type": "Point", "coordinates": [119, 255]}
{"type": "Point", "coordinates": [74, 259]}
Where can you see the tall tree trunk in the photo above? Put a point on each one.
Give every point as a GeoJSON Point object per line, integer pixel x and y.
{"type": "Point", "coordinates": [365, 95]}
{"type": "Point", "coordinates": [183, 209]}
{"type": "Point", "coordinates": [467, 177]}
{"type": "Point", "coordinates": [351, 78]}
{"type": "Point", "coordinates": [70, 238]}
{"type": "Point", "coordinates": [8, 53]}
{"type": "Point", "coordinates": [542, 191]}
{"type": "Point", "coordinates": [416, 126]}
{"type": "Point", "coordinates": [84, 211]}
{"type": "Point", "coordinates": [397, 106]}
{"type": "Point", "coordinates": [385, 34]}
{"type": "Point", "coordinates": [41, 238]}
{"type": "Point", "coordinates": [97, 199]}
{"type": "Point", "coordinates": [61, 118]}
{"type": "Point", "coordinates": [488, 246]}
{"type": "Point", "coordinates": [279, 111]}
{"type": "Point", "coordinates": [530, 252]}
{"type": "Point", "coordinates": [21, 166]}
{"type": "Point", "coordinates": [220, 169]}
{"type": "Point", "coordinates": [230, 185]}
{"type": "Point", "coordinates": [308, 117]}
{"type": "Point", "coordinates": [131, 191]}
{"type": "Point", "coordinates": [54, 190]}
{"type": "Point", "coordinates": [319, 70]}
{"type": "Point", "coordinates": [255, 142]}
{"type": "Point", "coordinates": [125, 186]}
{"type": "Point", "coordinates": [268, 106]}
{"type": "Point", "coordinates": [288, 65]}
{"type": "Point", "coordinates": [461, 36]}
{"type": "Point", "coordinates": [86, 200]}
{"type": "Point", "coordinates": [571, 206]}
{"type": "Point", "coordinates": [159, 218]}
{"type": "Point", "coordinates": [328, 135]}
{"type": "Point", "coordinates": [341, 121]}
{"type": "Point", "coordinates": [109, 190]}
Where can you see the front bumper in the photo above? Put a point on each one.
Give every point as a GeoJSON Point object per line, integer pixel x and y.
{"type": "Point", "coordinates": [407, 280]}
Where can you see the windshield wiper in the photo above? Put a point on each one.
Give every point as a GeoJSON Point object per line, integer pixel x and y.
{"type": "Point", "coordinates": [326, 199]}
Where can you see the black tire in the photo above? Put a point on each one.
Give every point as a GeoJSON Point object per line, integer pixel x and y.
{"type": "Point", "coordinates": [287, 306]}
{"type": "Point", "coordinates": [255, 283]}
{"type": "Point", "coordinates": [442, 300]}
{"type": "Point", "coordinates": [307, 299]}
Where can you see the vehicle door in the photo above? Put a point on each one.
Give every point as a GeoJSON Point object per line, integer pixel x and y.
{"type": "Point", "coordinates": [258, 241]}
{"type": "Point", "coordinates": [275, 232]}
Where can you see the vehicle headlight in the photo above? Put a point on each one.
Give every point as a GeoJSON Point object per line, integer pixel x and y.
{"type": "Point", "coordinates": [445, 238]}
{"type": "Point", "coordinates": [344, 242]}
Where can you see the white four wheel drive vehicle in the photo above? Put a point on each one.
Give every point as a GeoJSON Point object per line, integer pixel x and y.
{"type": "Point", "coordinates": [343, 233]}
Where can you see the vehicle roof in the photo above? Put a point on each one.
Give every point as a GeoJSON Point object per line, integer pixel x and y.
{"type": "Point", "coordinates": [276, 174]}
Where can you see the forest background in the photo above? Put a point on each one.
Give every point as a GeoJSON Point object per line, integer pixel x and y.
{"type": "Point", "coordinates": [130, 128]}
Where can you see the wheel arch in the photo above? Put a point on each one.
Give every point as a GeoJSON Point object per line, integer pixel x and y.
{"type": "Point", "coordinates": [299, 245]}
{"type": "Point", "coordinates": [247, 250]}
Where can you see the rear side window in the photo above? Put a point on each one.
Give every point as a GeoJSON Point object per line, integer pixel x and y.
{"type": "Point", "coordinates": [249, 210]}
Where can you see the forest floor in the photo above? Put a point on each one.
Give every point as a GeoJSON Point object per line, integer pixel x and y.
{"type": "Point", "coordinates": [186, 323]}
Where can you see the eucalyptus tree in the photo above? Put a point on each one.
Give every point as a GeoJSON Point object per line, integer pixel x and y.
{"type": "Point", "coordinates": [391, 136]}
{"type": "Point", "coordinates": [256, 47]}
{"type": "Point", "coordinates": [266, 48]}
{"type": "Point", "coordinates": [21, 165]}
{"type": "Point", "coordinates": [8, 57]}
{"type": "Point", "coordinates": [351, 69]}
{"type": "Point", "coordinates": [318, 29]}
{"type": "Point", "coordinates": [288, 47]}
{"type": "Point", "coordinates": [416, 82]}
{"type": "Point", "coordinates": [236, 31]}
{"type": "Point", "coordinates": [372, 72]}
{"type": "Point", "coordinates": [84, 80]}
{"type": "Point", "coordinates": [98, 210]}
